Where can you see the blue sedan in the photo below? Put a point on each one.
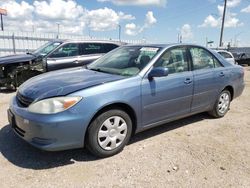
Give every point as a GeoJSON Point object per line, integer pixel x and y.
{"type": "Point", "coordinates": [130, 89]}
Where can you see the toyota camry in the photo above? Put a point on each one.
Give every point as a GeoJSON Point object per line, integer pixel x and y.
{"type": "Point", "coordinates": [130, 89]}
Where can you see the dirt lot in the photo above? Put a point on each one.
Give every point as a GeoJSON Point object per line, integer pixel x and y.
{"type": "Point", "coordinates": [192, 152]}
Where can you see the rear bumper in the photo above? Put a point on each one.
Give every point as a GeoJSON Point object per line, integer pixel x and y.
{"type": "Point", "coordinates": [239, 90]}
{"type": "Point", "coordinates": [47, 132]}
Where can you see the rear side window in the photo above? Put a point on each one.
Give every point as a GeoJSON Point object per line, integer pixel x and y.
{"type": "Point", "coordinates": [225, 55]}
{"type": "Point", "coordinates": [96, 48]}
{"type": "Point", "coordinates": [175, 60]}
{"type": "Point", "coordinates": [91, 48]}
{"type": "Point", "coordinates": [108, 47]}
{"type": "Point", "coordinates": [202, 59]}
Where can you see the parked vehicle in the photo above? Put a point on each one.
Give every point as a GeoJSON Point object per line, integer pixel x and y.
{"type": "Point", "coordinates": [54, 55]}
{"type": "Point", "coordinates": [242, 58]}
{"type": "Point", "coordinates": [128, 90]}
{"type": "Point", "coordinates": [227, 55]}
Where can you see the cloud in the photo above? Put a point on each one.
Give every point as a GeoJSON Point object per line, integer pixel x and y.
{"type": "Point", "coordinates": [16, 10]}
{"type": "Point", "coordinates": [186, 32]}
{"type": "Point", "coordinates": [150, 19]}
{"type": "Point", "coordinates": [159, 3]}
{"type": "Point", "coordinates": [233, 3]}
{"type": "Point", "coordinates": [132, 29]}
{"type": "Point", "coordinates": [210, 21]}
{"type": "Point", "coordinates": [246, 10]}
{"type": "Point", "coordinates": [45, 15]}
{"type": "Point", "coordinates": [105, 19]}
{"type": "Point", "coordinates": [231, 19]}
{"type": "Point", "coordinates": [58, 9]}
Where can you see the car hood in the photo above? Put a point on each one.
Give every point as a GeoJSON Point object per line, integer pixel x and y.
{"type": "Point", "coordinates": [16, 58]}
{"type": "Point", "coordinates": [63, 82]}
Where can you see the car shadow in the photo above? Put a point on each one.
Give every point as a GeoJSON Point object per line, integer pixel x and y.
{"type": "Point", "coordinates": [23, 155]}
{"type": "Point", "coordinates": [169, 126]}
{"type": "Point", "coordinates": [5, 90]}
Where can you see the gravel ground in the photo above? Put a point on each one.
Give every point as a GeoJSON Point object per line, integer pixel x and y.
{"type": "Point", "coordinates": [193, 152]}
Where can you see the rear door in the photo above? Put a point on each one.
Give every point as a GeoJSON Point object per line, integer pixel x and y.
{"type": "Point", "coordinates": [89, 52]}
{"type": "Point", "coordinates": [170, 96]}
{"type": "Point", "coordinates": [209, 77]}
{"type": "Point", "coordinates": [92, 51]}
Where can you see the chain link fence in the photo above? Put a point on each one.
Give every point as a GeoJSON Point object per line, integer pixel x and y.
{"type": "Point", "coordinates": [14, 42]}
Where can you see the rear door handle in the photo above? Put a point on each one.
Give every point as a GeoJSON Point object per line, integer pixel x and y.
{"type": "Point", "coordinates": [222, 74]}
{"type": "Point", "coordinates": [188, 81]}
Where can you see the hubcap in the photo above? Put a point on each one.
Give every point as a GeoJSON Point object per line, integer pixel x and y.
{"type": "Point", "coordinates": [112, 133]}
{"type": "Point", "coordinates": [223, 103]}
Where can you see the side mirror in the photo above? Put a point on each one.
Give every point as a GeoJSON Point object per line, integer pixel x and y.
{"type": "Point", "coordinates": [158, 72]}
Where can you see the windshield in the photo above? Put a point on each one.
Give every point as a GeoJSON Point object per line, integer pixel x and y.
{"type": "Point", "coordinates": [125, 61]}
{"type": "Point", "coordinates": [47, 48]}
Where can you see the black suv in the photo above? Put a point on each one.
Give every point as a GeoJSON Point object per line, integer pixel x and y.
{"type": "Point", "coordinates": [54, 55]}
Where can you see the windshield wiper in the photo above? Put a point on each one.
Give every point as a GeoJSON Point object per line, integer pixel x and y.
{"type": "Point", "coordinates": [101, 70]}
{"type": "Point", "coordinates": [97, 70]}
{"type": "Point", "coordinates": [29, 53]}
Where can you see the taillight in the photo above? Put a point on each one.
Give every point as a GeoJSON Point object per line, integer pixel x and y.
{"type": "Point", "coordinates": [242, 72]}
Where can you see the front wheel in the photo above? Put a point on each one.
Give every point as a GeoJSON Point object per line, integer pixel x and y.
{"type": "Point", "coordinates": [109, 133]}
{"type": "Point", "coordinates": [222, 104]}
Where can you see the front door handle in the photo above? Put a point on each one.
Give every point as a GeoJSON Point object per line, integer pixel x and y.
{"type": "Point", "coordinates": [76, 61]}
{"type": "Point", "coordinates": [188, 81]}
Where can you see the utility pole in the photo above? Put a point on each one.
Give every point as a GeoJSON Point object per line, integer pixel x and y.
{"type": "Point", "coordinates": [223, 21]}
{"type": "Point", "coordinates": [1, 22]}
{"type": "Point", "coordinates": [3, 12]}
{"type": "Point", "coordinates": [119, 27]}
{"type": "Point", "coordinates": [58, 26]}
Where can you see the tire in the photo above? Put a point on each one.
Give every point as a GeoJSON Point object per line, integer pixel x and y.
{"type": "Point", "coordinates": [222, 105]}
{"type": "Point", "coordinates": [108, 133]}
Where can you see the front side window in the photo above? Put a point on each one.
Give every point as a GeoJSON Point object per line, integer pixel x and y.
{"type": "Point", "coordinates": [175, 60]}
{"type": "Point", "coordinates": [108, 47]}
{"type": "Point", "coordinates": [202, 59]}
{"type": "Point", "coordinates": [125, 61]}
{"type": "Point", "coordinates": [67, 50]}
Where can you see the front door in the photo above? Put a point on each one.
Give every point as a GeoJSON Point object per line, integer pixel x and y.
{"type": "Point", "coordinates": [168, 97]}
{"type": "Point", "coordinates": [64, 57]}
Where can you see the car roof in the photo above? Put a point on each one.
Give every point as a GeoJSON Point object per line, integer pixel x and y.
{"type": "Point", "coordinates": [166, 45]}
{"type": "Point", "coordinates": [222, 51]}
{"type": "Point", "coordinates": [89, 41]}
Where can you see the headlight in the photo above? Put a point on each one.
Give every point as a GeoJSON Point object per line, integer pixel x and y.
{"type": "Point", "coordinates": [53, 105]}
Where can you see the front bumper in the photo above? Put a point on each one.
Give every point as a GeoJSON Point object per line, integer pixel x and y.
{"type": "Point", "coordinates": [53, 132]}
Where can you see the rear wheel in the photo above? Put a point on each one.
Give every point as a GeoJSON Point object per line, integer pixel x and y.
{"type": "Point", "coordinates": [222, 104]}
{"type": "Point", "coordinates": [109, 133]}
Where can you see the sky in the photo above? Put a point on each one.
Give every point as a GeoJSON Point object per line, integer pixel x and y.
{"type": "Point", "coordinates": [156, 21]}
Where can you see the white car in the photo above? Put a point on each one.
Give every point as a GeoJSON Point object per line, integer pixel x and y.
{"type": "Point", "coordinates": [227, 55]}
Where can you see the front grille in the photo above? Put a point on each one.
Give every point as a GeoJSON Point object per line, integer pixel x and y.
{"type": "Point", "coordinates": [23, 101]}
{"type": "Point", "coordinates": [18, 130]}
